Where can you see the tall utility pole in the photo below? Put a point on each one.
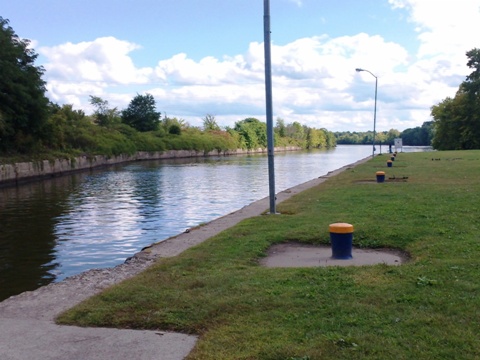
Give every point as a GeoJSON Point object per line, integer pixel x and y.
{"type": "Point", "coordinates": [268, 98]}
{"type": "Point", "coordinates": [374, 109]}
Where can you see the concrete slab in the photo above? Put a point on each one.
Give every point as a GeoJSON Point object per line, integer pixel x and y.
{"type": "Point", "coordinates": [301, 255]}
{"type": "Point", "coordinates": [38, 339]}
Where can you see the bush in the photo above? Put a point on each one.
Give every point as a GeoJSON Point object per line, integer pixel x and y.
{"type": "Point", "coordinates": [148, 142]}
{"type": "Point", "coordinates": [175, 130]}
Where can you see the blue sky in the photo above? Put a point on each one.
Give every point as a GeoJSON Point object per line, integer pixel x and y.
{"type": "Point", "coordinates": [199, 57]}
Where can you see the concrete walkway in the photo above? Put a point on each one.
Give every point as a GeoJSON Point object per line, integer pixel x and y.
{"type": "Point", "coordinates": [23, 339]}
{"type": "Point", "coordinates": [28, 331]}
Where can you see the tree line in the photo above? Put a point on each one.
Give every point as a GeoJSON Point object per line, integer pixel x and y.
{"type": "Point", "coordinates": [31, 124]}
{"type": "Point", "coordinates": [417, 136]}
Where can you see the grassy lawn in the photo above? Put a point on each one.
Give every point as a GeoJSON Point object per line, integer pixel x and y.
{"type": "Point", "coordinates": [428, 308]}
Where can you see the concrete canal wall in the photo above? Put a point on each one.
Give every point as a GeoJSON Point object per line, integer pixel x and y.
{"type": "Point", "coordinates": [26, 171]}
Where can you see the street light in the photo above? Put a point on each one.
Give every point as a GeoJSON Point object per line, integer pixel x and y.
{"type": "Point", "coordinates": [269, 107]}
{"type": "Point", "coordinates": [374, 110]}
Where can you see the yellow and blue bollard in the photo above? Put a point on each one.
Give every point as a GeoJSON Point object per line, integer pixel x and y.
{"type": "Point", "coordinates": [380, 176]}
{"type": "Point", "coordinates": [341, 237]}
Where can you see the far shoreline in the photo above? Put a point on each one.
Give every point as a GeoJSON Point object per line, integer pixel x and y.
{"type": "Point", "coordinates": [26, 172]}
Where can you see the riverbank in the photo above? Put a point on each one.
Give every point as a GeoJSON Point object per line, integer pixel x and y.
{"type": "Point", "coordinates": [36, 310]}
{"type": "Point", "coordinates": [12, 174]}
{"type": "Point", "coordinates": [425, 308]}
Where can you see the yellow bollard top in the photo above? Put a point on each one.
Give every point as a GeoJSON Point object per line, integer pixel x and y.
{"type": "Point", "coordinates": [380, 173]}
{"type": "Point", "coordinates": [341, 228]}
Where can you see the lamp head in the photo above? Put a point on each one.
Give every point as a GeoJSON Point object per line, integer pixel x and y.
{"type": "Point", "coordinates": [358, 70]}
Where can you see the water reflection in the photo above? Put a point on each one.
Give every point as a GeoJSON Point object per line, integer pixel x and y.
{"type": "Point", "coordinates": [63, 226]}
{"type": "Point", "coordinates": [27, 242]}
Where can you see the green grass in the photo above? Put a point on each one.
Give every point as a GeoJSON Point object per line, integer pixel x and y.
{"type": "Point", "coordinates": [427, 308]}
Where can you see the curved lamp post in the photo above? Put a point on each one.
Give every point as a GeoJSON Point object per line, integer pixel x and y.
{"type": "Point", "coordinates": [375, 108]}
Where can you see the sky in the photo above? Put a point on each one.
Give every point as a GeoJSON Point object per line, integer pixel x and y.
{"type": "Point", "coordinates": [199, 57]}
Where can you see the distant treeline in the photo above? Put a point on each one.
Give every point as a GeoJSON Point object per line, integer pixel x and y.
{"type": "Point", "coordinates": [141, 128]}
{"type": "Point", "coordinates": [69, 132]}
{"type": "Point", "coordinates": [31, 126]}
{"type": "Point", "coordinates": [418, 136]}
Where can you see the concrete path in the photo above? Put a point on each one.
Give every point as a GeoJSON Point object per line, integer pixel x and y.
{"type": "Point", "coordinates": [28, 331]}
{"type": "Point", "coordinates": [23, 339]}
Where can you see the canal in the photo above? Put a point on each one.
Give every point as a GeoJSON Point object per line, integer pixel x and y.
{"type": "Point", "coordinates": [59, 227]}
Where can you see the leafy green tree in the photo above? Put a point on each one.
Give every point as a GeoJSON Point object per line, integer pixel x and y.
{"type": "Point", "coordinates": [3, 124]}
{"type": "Point", "coordinates": [253, 133]}
{"type": "Point", "coordinates": [392, 135]}
{"type": "Point", "coordinates": [210, 123]}
{"type": "Point", "coordinates": [381, 137]}
{"type": "Point", "coordinates": [472, 84]}
{"type": "Point", "coordinates": [356, 138]}
{"type": "Point", "coordinates": [316, 138]}
{"type": "Point", "coordinates": [23, 104]}
{"type": "Point", "coordinates": [331, 139]}
{"type": "Point", "coordinates": [457, 120]}
{"type": "Point", "coordinates": [141, 113]}
{"type": "Point", "coordinates": [295, 130]}
{"type": "Point", "coordinates": [173, 125]}
{"type": "Point", "coordinates": [446, 126]}
{"type": "Point", "coordinates": [411, 137]}
{"type": "Point", "coordinates": [418, 136]}
{"type": "Point", "coordinates": [175, 130]}
{"type": "Point", "coordinates": [470, 122]}
{"type": "Point", "coordinates": [236, 138]}
{"type": "Point", "coordinates": [280, 128]}
{"type": "Point", "coordinates": [103, 115]}
{"type": "Point", "coordinates": [62, 123]}
{"type": "Point", "coordinates": [348, 138]}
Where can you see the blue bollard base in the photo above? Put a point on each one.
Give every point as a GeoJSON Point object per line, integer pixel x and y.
{"type": "Point", "coordinates": [341, 246]}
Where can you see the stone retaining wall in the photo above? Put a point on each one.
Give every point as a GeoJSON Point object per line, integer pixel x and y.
{"type": "Point", "coordinates": [25, 171]}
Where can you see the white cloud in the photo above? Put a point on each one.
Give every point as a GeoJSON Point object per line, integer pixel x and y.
{"type": "Point", "coordinates": [314, 81]}
{"type": "Point", "coordinates": [445, 28]}
{"type": "Point", "coordinates": [179, 69]}
{"type": "Point", "coordinates": [314, 78]}
{"type": "Point", "coordinates": [74, 71]}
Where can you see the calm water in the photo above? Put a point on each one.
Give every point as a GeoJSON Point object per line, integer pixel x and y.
{"type": "Point", "coordinates": [60, 227]}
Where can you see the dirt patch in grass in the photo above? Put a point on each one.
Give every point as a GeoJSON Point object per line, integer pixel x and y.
{"type": "Point", "coordinates": [389, 180]}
